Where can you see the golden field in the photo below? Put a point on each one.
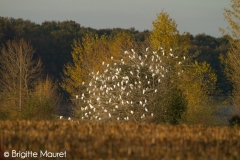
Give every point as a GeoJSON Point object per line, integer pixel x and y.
{"type": "Point", "coordinates": [112, 140]}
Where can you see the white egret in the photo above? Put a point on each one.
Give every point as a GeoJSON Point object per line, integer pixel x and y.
{"type": "Point", "coordinates": [140, 58]}
{"type": "Point", "coordinates": [144, 91]}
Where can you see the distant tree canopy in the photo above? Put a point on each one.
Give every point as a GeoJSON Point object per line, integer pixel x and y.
{"type": "Point", "coordinates": [53, 42]}
{"type": "Point", "coordinates": [209, 49]}
{"type": "Point", "coordinates": [52, 39]}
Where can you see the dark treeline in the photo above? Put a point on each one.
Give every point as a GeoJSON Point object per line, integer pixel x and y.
{"type": "Point", "coordinates": [53, 43]}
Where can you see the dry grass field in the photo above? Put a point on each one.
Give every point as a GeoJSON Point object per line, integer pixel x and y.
{"type": "Point", "coordinates": [98, 140]}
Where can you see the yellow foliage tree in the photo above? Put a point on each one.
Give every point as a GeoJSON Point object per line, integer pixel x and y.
{"type": "Point", "coordinates": [232, 60]}
{"type": "Point", "coordinates": [89, 54]}
{"type": "Point", "coordinates": [43, 102]}
{"type": "Point", "coordinates": [165, 35]}
{"type": "Point", "coordinates": [188, 81]}
{"type": "Point", "coordinates": [171, 46]}
{"type": "Point", "coordinates": [197, 82]}
{"type": "Point", "coordinates": [48, 90]}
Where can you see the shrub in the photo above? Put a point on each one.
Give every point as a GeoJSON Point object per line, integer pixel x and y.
{"type": "Point", "coordinates": [235, 120]}
{"type": "Point", "coordinates": [129, 88]}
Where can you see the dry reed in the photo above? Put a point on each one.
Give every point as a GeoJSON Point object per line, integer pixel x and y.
{"type": "Point", "coordinates": [98, 140]}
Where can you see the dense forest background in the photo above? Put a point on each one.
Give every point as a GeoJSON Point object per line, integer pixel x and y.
{"type": "Point", "coordinates": [53, 43]}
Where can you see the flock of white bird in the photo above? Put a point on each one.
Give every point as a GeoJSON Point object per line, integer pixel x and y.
{"type": "Point", "coordinates": [126, 88]}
